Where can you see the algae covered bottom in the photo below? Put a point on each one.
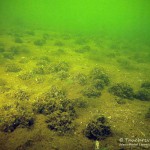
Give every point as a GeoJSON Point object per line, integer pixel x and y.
{"type": "Point", "coordinates": [74, 75]}
{"type": "Point", "coordinates": [70, 91]}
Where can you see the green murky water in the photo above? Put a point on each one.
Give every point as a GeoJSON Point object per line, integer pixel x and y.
{"type": "Point", "coordinates": [74, 74]}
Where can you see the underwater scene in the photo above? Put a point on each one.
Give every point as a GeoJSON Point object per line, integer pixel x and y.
{"type": "Point", "coordinates": [74, 75]}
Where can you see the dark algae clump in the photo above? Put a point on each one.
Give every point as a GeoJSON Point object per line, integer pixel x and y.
{"type": "Point", "coordinates": [99, 74]}
{"type": "Point", "coordinates": [12, 67]}
{"type": "Point", "coordinates": [21, 95]}
{"type": "Point", "coordinates": [146, 85]}
{"type": "Point", "coordinates": [26, 76]}
{"type": "Point", "coordinates": [60, 114]}
{"type": "Point", "coordinates": [122, 90]}
{"type": "Point", "coordinates": [18, 40]}
{"type": "Point", "coordinates": [91, 92]}
{"type": "Point", "coordinates": [97, 129]}
{"type": "Point", "coordinates": [143, 94]}
{"type": "Point", "coordinates": [83, 49]}
{"type": "Point", "coordinates": [147, 116]}
{"type": "Point", "coordinates": [40, 42]}
{"type": "Point", "coordinates": [18, 116]}
{"type": "Point", "coordinates": [81, 78]}
{"type": "Point", "coordinates": [63, 75]}
{"type": "Point", "coordinates": [39, 70]}
{"type": "Point", "coordinates": [62, 122]}
{"type": "Point", "coordinates": [61, 66]}
{"type": "Point", "coordinates": [59, 43]}
{"type": "Point", "coordinates": [3, 82]}
{"type": "Point", "coordinates": [99, 84]}
{"type": "Point", "coordinates": [94, 82]}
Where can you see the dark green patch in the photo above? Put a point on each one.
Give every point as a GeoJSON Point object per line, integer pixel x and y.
{"type": "Point", "coordinates": [143, 94]}
{"type": "Point", "coordinates": [59, 43]}
{"type": "Point", "coordinates": [21, 117]}
{"type": "Point", "coordinates": [97, 129]}
{"type": "Point", "coordinates": [12, 68]}
{"type": "Point", "coordinates": [26, 76]}
{"type": "Point", "coordinates": [91, 92]}
{"type": "Point", "coordinates": [146, 85]}
{"type": "Point", "coordinates": [98, 73]}
{"type": "Point", "coordinates": [147, 116]}
{"type": "Point", "coordinates": [81, 79]}
{"type": "Point", "coordinates": [18, 40]}
{"type": "Point", "coordinates": [40, 42]}
{"type": "Point", "coordinates": [21, 95]}
{"type": "Point", "coordinates": [122, 90]}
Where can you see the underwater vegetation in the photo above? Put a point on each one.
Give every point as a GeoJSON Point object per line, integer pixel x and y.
{"type": "Point", "coordinates": [143, 94]}
{"type": "Point", "coordinates": [141, 57]}
{"type": "Point", "coordinates": [13, 51]}
{"type": "Point", "coordinates": [17, 50]}
{"type": "Point", "coordinates": [26, 76]}
{"type": "Point", "coordinates": [12, 67]}
{"type": "Point", "coordinates": [55, 93]}
{"type": "Point", "coordinates": [147, 116]}
{"type": "Point", "coordinates": [126, 64]}
{"type": "Point", "coordinates": [146, 85]}
{"type": "Point", "coordinates": [62, 119]}
{"type": "Point", "coordinates": [8, 55]}
{"type": "Point", "coordinates": [60, 82]}
{"type": "Point", "coordinates": [45, 106]}
{"type": "Point", "coordinates": [95, 56]}
{"type": "Point", "coordinates": [2, 49]}
{"type": "Point", "coordinates": [93, 83]}
{"type": "Point", "coordinates": [18, 40]}
{"type": "Point", "coordinates": [97, 129]}
{"type": "Point", "coordinates": [81, 41]}
{"type": "Point", "coordinates": [26, 145]}
{"type": "Point", "coordinates": [21, 95]}
{"type": "Point", "coordinates": [46, 36]}
{"type": "Point", "coordinates": [59, 52]}
{"type": "Point", "coordinates": [4, 89]}
{"type": "Point", "coordinates": [120, 101]}
{"type": "Point", "coordinates": [61, 66]}
{"type": "Point", "coordinates": [40, 42]}
{"type": "Point", "coordinates": [90, 92]}
{"type": "Point", "coordinates": [98, 73]}
{"type": "Point", "coordinates": [97, 78]}
{"type": "Point", "coordinates": [63, 75]}
{"type": "Point", "coordinates": [23, 60]}
{"type": "Point", "coordinates": [39, 80]}
{"type": "Point", "coordinates": [122, 90]}
{"type": "Point", "coordinates": [39, 70]}
{"type": "Point", "coordinates": [19, 116]}
{"type": "Point", "coordinates": [3, 82]}
{"type": "Point", "coordinates": [46, 102]}
{"type": "Point", "coordinates": [3, 86]}
{"type": "Point", "coordinates": [59, 43]}
{"type": "Point", "coordinates": [83, 49]}
{"type": "Point", "coordinates": [45, 67]}
{"type": "Point", "coordinates": [81, 78]}
{"type": "Point", "coordinates": [80, 102]}
{"type": "Point", "coordinates": [43, 62]}
{"type": "Point", "coordinates": [61, 122]}
{"type": "Point", "coordinates": [59, 110]}
{"type": "Point", "coordinates": [113, 54]}
{"type": "Point", "coordinates": [99, 84]}
{"type": "Point", "coordinates": [32, 33]}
